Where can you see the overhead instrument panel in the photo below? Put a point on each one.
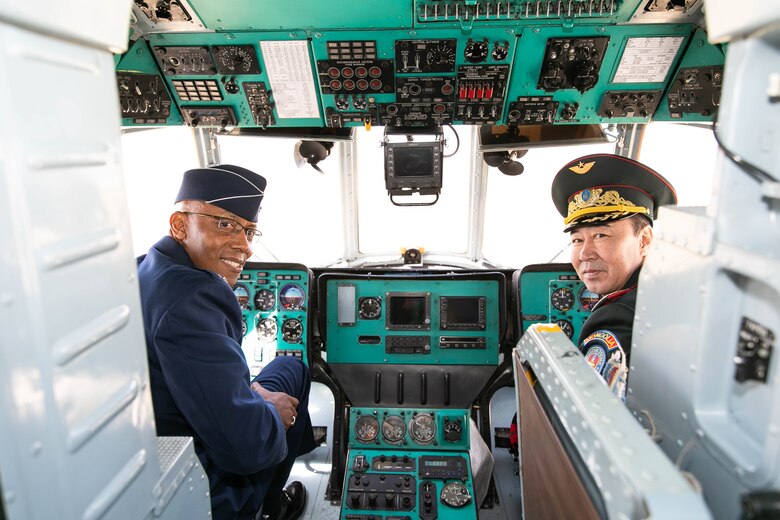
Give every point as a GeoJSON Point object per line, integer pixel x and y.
{"type": "Point", "coordinates": [274, 301]}
{"type": "Point", "coordinates": [143, 98]}
{"type": "Point", "coordinates": [553, 293]}
{"type": "Point", "coordinates": [427, 62]}
{"type": "Point", "coordinates": [488, 12]}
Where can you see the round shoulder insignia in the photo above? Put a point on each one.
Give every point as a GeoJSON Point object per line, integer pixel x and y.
{"type": "Point", "coordinates": [599, 347]}
{"type": "Point", "coordinates": [596, 357]}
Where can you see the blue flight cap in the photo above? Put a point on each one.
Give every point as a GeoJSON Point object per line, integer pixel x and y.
{"type": "Point", "coordinates": [227, 186]}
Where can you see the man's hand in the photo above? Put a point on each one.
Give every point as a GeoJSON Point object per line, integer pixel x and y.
{"type": "Point", "coordinates": [285, 404]}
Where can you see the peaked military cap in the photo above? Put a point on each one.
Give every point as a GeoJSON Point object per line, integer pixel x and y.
{"type": "Point", "coordinates": [603, 187]}
{"type": "Point", "coordinates": [232, 188]}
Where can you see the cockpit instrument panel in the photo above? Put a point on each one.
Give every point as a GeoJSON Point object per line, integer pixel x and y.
{"type": "Point", "coordinates": [553, 293]}
{"type": "Point", "coordinates": [422, 63]}
{"type": "Point", "coordinates": [444, 321]}
{"type": "Point", "coordinates": [274, 301]}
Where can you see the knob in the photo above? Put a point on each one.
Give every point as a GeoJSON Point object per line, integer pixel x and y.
{"type": "Point", "coordinates": [355, 500]}
{"type": "Point", "coordinates": [372, 499]}
{"type": "Point", "coordinates": [389, 497]}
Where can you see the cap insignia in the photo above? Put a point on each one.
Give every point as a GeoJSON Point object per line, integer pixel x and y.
{"type": "Point", "coordinates": [582, 168]}
{"type": "Point", "coordinates": [597, 200]}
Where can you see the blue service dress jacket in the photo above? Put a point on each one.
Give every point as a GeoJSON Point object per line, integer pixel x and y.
{"type": "Point", "coordinates": [605, 338]}
{"type": "Point", "coordinates": [200, 380]}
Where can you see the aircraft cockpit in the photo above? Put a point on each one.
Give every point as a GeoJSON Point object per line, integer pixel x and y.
{"type": "Point", "coordinates": [410, 254]}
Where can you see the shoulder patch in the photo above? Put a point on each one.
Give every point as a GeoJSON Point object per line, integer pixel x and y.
{"type": "Point", "coordinates": [599, 347]}
{"type": "Point", "coordinates": [596, 357]}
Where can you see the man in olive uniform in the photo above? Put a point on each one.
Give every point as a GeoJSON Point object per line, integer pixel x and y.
{"type": "Point", "coordinates": [247, 434]}
{"type": "Point", "coordinates": [608, 203]}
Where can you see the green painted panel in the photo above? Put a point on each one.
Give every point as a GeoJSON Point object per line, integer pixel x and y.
{"type": "Point", "coordinates": [409, 483]}
{"type": "Point", "coordinates": [530, 54]}
{"type": "Point", "coordinates": [700, 54]}
{"type": "Point", "coordinates": [468, 14]}
{"type": "Point", "coordinates": [554, 296]}
{"type": "Point", "coordinates": [252, 15]}
{"type": "Point", "coordinates": [236, 101]}
{"type": "Point", "coordinates": [374, 418]}
{"type": "Point", "coordinates": [139, 60]}
{"type": "Point", "coordinates": [376, 340]}
{"type": "Point", "coordinates": [275, 308]}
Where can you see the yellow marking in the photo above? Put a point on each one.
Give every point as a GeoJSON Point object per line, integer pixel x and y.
{"type": "Point", "coordinates": [582, 168]}
{"type": "Point", "coordinates": [605, 209]}
{"type": "Point", "coordinates": [548, 328]}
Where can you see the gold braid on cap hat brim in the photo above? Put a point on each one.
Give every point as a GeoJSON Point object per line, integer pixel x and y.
{"type": "Point", "coordinates": [601, 202]}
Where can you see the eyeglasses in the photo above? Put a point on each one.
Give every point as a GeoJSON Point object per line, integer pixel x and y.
{"type": "Point", "coordinates": [228, 226]}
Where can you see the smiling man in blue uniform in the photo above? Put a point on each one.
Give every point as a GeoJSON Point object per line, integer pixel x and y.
{"type": "Point", "coordinates": [247, 433]}
{"type": "Point", "coordinates": [608, 203]}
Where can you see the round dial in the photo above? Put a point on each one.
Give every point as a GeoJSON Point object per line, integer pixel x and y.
{"type": "Point", "coordinates": [266, 329]}
{"type": "Point", "coordinates": [422, 428]}
{"type": "Point", "coordinates": [244, 326]}
{"type": "Point", "coordinates": [236, 59]}
{"type": "Point", "coordinates": [242, 294]}
{"type": "Point", "coordinates": [366, 428]}
{"type": "Point", "coordinates": [393, 429]}
{"type": "Point", "coordinates": [476, 51]}
{"type": "Point", "coordinates": [292, 297]}
{"type": "Point", "coordinates": [292, 330]}
{"type": "Point", "coordinates": [500, 52]}
{"type": "Point", "coordinates": [562, 299]}
{"type": "Point", "coordinates": [452, 430]}
{"type": "Point", "coordinates": [455, 494]}
{"type": "Point", "coordinates": [264, 300]}
{"type": "Point", "coordinates": [440, 55]}
{"type": "Point", "coordinates": [566, 327]}
{"type": "Point", "coordinates": [370, 308]}
{"type": "Point", "coordinates": [587, 299]}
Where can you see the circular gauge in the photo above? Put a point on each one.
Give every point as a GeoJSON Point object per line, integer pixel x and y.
{"type": "Point", "coordinates": [292, 330]}
{"type": "Point", "coordinates": [441, 55]}
{"type": "Point", "coordinates": [566, 327]}
{"type": "Point", "coordinates": [242, 294]}
{"type": "Point", "coordinates": [587, 299]}
{"type": "Point", "coordinates": [476, 51]}
{"type": "Point", "coordinates": [562, 299]}
{"type": "Point", "coordinates": [393, 429]}
{"type": "Point", "coordinates": [292, 297]}
{"type": "Point", "coordinates": [455, 494]}
{"type": "Point", "coordinates": [366, 428]}
{"type": "Point", "coordinates": [244, 326]}
{"type": "Point", "coordinates": [370, 308]}
{"type": "Point", "coordinates": [500, 52]}
{"type": "Point", "coordinates": [266, 329]}
{"type": "Point", "coordinates": [452, 430]}
{"type": "Point", "coordinates": [264, 300]}
{"type": "Point", "coordinates": [422, 428]}
{"type": "Point", "coordinates": [236, 59]}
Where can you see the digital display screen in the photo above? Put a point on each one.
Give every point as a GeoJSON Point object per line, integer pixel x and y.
{"type": "Point", "coordinates": [462, 310]}
{"type": "Point", "coordinates": [413, 162]}
{"type": "Point", "coordinates": [408, 310]}
{"type": "Point", "coordinates": [436, 463]}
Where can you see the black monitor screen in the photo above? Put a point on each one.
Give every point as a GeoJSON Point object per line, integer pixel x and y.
{"type": "Point", "coordinates": [462, 312]}
{"type": "Point", "coordinates": [413, 162]}
{"type": "Point", "coordinates": [408, 310]}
